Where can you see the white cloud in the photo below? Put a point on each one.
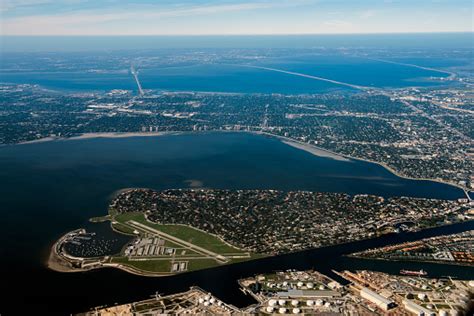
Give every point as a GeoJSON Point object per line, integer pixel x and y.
{"type": "Point", "coordinates": [10, 5]}
{"type": "Point", "coordinates": [337, 24]}
{"type": "Point", "coordinates": [75, 23]}
{"type": "Point", "coordinates": [64, 23]}
{"type": "Point", "coordinates": [229, 17]}
{"type": "Point", "coordinates": [368, 14]}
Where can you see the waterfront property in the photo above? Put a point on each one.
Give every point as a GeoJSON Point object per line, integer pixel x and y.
{"type": "Point", "coordinates": [452, 249]}
{"type": "Point", "coordinates": [275, 222]}
{"type": "Point", "coordinates": [405, 295]}
{"type": "Point", "coordinates": [96, 100]}
{"type": "Point", "coordinates": [57, 186]}
{"type": "Point", "coordinates": [423, 134]}
{"type": "Point", "coordinates": [195, 301]}
{"type": "Point", "coordinates": [184, 230]}
{"type": "Point", "coordinates": [156, 250]}
{"type": "Point", "coordinates": [313, 293]}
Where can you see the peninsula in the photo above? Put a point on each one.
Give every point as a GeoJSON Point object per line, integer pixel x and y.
{"type": "Point", "coordinates": [181, 230]}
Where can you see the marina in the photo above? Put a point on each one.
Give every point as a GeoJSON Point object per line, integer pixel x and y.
{"type": "Point", "coordinates": [68, 189]}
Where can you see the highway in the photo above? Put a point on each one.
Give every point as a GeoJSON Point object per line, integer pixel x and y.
{"type": "Point", "coordinates": [451, 74]}
{"type": "Point", "coordinates": [437, 121]}
{"type": "Point", "coordinates": [310, 77]}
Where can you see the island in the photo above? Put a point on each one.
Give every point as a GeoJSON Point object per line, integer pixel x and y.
{"type": "Point", "coordinates": [179, 230]}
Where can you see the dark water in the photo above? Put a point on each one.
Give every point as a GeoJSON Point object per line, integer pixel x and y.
{"type": "Point", "coordinates": [50, 188]}
{"type": "Point", "coordinates": [99, 240]}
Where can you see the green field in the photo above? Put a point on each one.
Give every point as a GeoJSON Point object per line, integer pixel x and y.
{"type": "Point", "coordinates": [125, 229]}
{"type": "Point", "coordinates": [199, 238]}
{"type": "Point", "coordinates": [185, 233]}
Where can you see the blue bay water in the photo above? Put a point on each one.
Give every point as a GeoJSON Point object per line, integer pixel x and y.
{"type": "Point", "coordinates": [345, 60]}
{"type": "Point", "coordinates": [53, 187]}
{"type": "Point", "coordinates": [241, 79]}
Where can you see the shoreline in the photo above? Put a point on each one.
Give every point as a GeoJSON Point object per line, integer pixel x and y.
{"type": "Point", "coordinates": [100, 135]}
{"type": "Point", "coordinates": [313, 149]}
{"type": "Point", "coordinates": [57, 263]}
{"type": "Point", "coordinates": [417, 261]}
{"type": "Point", "coordinates": [330, 154]}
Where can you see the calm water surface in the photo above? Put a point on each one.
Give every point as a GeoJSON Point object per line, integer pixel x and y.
{"type": "Point", "coordinates": [50, 188]}
{"type": "Point", "coordinates": [239, 79]}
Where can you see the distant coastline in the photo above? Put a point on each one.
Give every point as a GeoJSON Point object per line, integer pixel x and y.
{"type": "Point", "coordinates": [322, 152]}
{"type": "Point", "coordinates": [100, 135]}
{"type": "Point", "coordinates": [313, 149]}
{"type": "Point", "coordinates": [417, 261]}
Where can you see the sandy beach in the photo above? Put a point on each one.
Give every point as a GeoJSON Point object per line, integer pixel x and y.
{"type": "Point", "coordinates": [315, 151]}
{"type": "Point", "coordinates": [101, 135]}
{"type": "Point", "coordinates": [120, 135]}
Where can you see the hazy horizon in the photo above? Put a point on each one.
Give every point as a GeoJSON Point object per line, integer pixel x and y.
{"type": "Point", "coordinates": [233, 17]}
{"type": "Point", "coordinates": [149, 42]}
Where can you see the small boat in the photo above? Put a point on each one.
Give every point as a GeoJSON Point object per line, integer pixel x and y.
{"type": "Point", "coordinates": [414, 273]}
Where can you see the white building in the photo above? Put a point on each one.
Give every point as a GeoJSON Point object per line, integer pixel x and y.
{"type": "Point", "coordinates": [416, 309]}
{"type": "Point", "coordinates": [377, 299]}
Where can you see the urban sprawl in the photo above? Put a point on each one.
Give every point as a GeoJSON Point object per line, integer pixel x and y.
{"type": "Point", "coordinates": [269, 221]}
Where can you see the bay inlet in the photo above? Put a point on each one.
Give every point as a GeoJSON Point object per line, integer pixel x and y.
{"type": "Point", "coordinates": [53, 187]}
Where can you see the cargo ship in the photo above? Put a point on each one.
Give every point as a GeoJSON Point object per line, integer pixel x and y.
{"type": "Point", "coordinates": [414, 273]}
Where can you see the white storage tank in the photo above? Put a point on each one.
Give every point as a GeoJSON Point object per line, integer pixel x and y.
{"type": "Point", "coordinates": [422, 296]}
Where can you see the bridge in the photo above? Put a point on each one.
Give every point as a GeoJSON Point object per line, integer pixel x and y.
{"type": "Point", "coordinates": [135, 76]}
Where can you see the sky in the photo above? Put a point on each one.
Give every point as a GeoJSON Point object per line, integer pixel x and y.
{"type": "Point", "coordinates": [209, 17]}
